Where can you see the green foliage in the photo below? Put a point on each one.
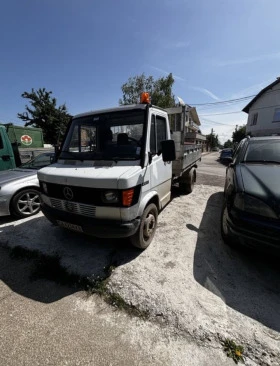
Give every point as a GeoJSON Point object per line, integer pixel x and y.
{"type": "Point", "coordinates": [239, 134]}
{"type": "Point", "coordinates": [160, 90]}
{"type": "Point", "coordinates": [44, 113]}
{"type": "Point", "coordinates": [228, 144]}
{"type": "Point", "coordinates": [233, 350]}
{"type": "Point", "coordinates": [212, 140]}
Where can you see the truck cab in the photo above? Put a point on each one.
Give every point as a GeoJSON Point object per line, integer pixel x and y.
{"type": "Point", "coordinates": [113, 173]}
{"type": "Point", "coordinates": [7, 156]}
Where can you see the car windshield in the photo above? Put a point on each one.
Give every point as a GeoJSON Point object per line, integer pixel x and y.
{"type": "Point", "coordinates": [263, 151]}
{"type": "Point", "coordinates": [39, 161]}
{"type": "Point", "coordinates": [107, 136]}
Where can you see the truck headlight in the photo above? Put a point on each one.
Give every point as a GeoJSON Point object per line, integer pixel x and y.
{"type": "Point", "coordinates": [110, 197]}
{"type": "Point", "coordinates": [247, 203]}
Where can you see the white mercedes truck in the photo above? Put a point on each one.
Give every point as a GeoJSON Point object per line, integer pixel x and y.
{"type": "Point", "coordinates": [114, 171]}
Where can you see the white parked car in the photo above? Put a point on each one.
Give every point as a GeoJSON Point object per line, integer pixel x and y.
{"type": "Point", "coordinates": [19, 188]}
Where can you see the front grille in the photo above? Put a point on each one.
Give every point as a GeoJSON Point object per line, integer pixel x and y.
{"type": "Point", "coordinates": [73, 207]}
{"type": "Point", "coordinates": [84, 195]}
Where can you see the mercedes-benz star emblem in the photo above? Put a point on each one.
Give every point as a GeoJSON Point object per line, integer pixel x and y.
{"type": "Point", "coordinates": [68, 193]}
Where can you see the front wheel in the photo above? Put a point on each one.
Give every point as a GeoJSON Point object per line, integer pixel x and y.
{"type": "Point", "coordinates": [144, 235]}
{"type": "Point", "coordinates": [26, 203]}
{"type": "Point", "coordinates": [224, 227]}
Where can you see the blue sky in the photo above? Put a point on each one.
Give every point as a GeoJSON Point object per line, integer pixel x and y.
{"type": "Point", "coordinates": [85, 50]}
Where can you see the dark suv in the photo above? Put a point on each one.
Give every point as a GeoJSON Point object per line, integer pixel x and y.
{"type": "Point", "coordinates": [251, 209]}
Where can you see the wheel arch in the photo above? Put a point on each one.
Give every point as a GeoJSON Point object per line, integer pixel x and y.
{"type": "Point", "coordinates": [151, 197]}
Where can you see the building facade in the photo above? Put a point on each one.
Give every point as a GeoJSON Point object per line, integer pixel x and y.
{"type": "Point", "coordinates": [264, 111]}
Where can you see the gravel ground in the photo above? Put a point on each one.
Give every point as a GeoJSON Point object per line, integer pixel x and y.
{"type": "Point", "coordinates": [187, 280]}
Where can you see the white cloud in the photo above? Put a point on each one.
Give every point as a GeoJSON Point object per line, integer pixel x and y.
{"type": "Point", "coordinates": [206, 92]}
{"type": "Point", "coordinates": [249, 60]}
{"type": "Point", "coordinates": [176, 77]}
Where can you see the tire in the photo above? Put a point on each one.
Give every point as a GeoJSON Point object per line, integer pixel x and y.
{"type": "Point", "coordinates": [145, 234]}
{"type": "Point", "coordinates": [186, 185]}
{"type": "Point", "coordinates": [25, 203]}
{"type": "Point", "coordinates": [227, 238]}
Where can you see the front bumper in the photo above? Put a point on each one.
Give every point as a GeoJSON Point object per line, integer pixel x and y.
{"type": "Point", "coordinates": [100, 228]}
{"type": "Point", "coordinates": [254, 232]}
{"type": "Point", "coordinates": [5, 205]}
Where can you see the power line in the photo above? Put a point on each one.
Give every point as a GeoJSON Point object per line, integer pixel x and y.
{"type": "Point", "coordinates": [217, 123]}
{"type": "Point", "coordinates": [219, 114]}
{"type": "Point", "coordinates": [224, 101]}
{"type": "Point", "coordinates": [230, 101]}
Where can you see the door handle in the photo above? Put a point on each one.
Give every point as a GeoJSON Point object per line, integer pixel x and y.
{"type": "Point", "coordinates": [5, 157]}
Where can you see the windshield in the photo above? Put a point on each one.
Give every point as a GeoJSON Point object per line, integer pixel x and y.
{"type": "Point", "coordinates": [263, 151]}
{"type": "Point", "coordinates": [39, 161]}
{"type": "Point", "coordinates": [108, 136]}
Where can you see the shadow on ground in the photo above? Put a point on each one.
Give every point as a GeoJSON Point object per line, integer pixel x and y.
{"type": "Point", "coordinates": [78, 254]}
{"type": "Point", "coordinates": [247, 282]}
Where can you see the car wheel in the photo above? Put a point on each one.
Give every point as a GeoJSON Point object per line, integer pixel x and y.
{"type": "Point", "coordinates": [144, 235]}
{"type": "Point", "coordinates": [224, 227]}
{"type": "Point", "coordinates": [26, 203]}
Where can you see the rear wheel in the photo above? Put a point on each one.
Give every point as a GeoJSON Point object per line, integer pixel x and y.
{"type": "Point", "coordinates": [186, 184]}
{"type": "Point", "coordinates": [26, 203]}
{"type": "Point", "coordinates": [144, 235]}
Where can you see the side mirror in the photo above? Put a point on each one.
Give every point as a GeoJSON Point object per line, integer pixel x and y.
{"type": "Point", "coordinates": [168, 150]}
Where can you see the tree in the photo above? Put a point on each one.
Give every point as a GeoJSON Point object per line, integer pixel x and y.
{"type": "Point", "coordinates": [239, 134]}
{"type": "Point", "coordinates": [228, 144]}
{"type": "Point", "coordinates": [43, 113]}
{"type": "Point", "coordinates": [212, 140]}
{"type": "Point", "coordinates": [160, 90]}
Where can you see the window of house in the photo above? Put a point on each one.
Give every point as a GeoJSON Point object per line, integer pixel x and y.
{"type": "Point", "coordinates": [276, 117]}
{"type": "Point", "coordinates": [254, 119]}
{"type": "Point", "coordinates": [1, 143]}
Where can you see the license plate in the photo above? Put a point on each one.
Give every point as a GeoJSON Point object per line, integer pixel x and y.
{"type": "Point", "coordinates": [69, 226]}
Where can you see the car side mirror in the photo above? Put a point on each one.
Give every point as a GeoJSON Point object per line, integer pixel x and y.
{"type": "Point", "coordinates": [168, 150]}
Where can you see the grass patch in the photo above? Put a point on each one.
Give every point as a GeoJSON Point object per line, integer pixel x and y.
{"type": "Point", "coordinates": [49, 268]}
{"type": "Point", "coordinates": [233, 350]}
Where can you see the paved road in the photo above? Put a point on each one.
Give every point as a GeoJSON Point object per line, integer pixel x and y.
{"type": "Point", "coordinates": [210, 171]}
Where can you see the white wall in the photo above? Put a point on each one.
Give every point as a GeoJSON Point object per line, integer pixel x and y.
{"type": "Point", "coordinates": [265, 107]}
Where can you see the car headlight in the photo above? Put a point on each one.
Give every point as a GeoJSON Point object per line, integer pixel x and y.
{"type": "Point", "coordinates": [110, 197]}
{"type": "Point", "coordinates": [253, 205]}
{"type": "Point", "coordinates": [45, 187]}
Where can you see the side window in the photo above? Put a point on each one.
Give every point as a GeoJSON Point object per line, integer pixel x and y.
{"type": "Point", "coordinates": [1, 143]}
{"type": "Point", "coordinates": [161, 131]}
{"type": "Point", "coordinates": [158, 133]}
{"type": "Point", "coordinates": [153, 146]}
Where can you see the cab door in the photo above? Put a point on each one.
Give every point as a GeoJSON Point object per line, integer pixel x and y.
{"type": "Point", "coordinates": [160, 171]}
{"type": "Point", "coordinates": [7, 160]}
